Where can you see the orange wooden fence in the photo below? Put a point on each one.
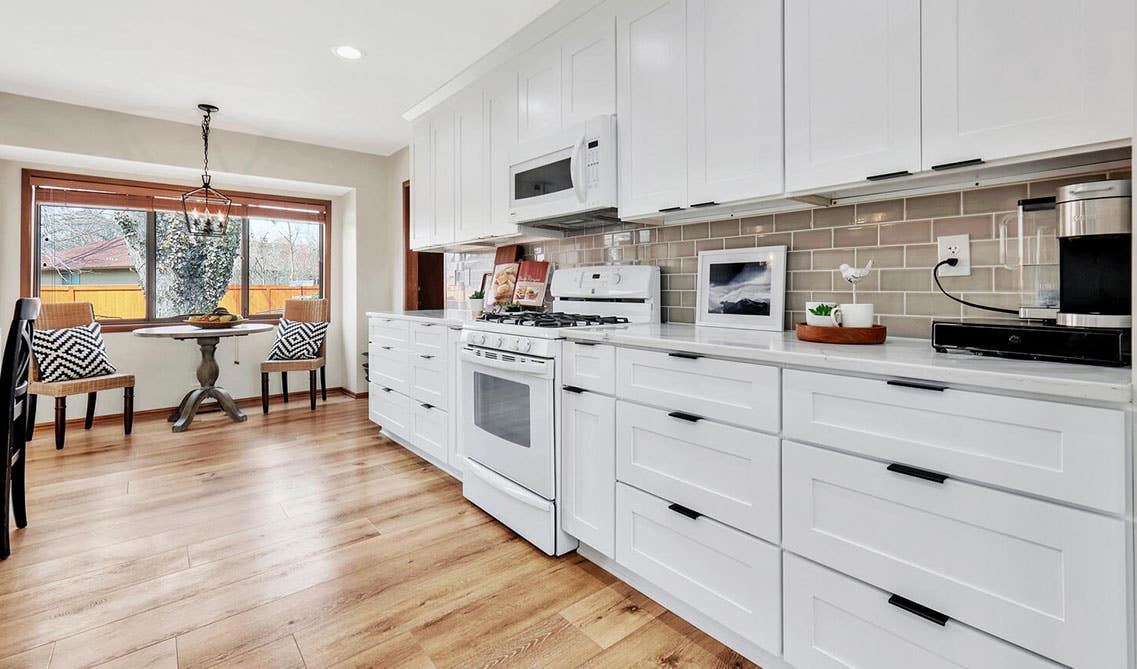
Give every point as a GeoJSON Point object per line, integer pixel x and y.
{"type": "Point", "coordinates": [126, 301]}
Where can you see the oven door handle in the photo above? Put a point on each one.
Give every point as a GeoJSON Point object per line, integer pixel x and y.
{"type": "Point", "coordinates": [544, 372]}
{"type": "Point", "coordinates": [484, 474]}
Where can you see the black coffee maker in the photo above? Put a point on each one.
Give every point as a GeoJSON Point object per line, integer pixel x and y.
{"type": "Point", "coordinates": [1082, 239]}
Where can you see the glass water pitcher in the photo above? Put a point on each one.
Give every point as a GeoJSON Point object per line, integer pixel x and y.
{"type": "Point", "coordinates": [1028, 245]}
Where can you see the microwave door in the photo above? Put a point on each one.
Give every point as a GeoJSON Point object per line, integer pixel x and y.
{"type": "Point", "coordinates": [544, 179]}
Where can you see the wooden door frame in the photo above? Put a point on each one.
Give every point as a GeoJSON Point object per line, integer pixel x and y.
{"type": "Point", "coordinates": [410, 258]}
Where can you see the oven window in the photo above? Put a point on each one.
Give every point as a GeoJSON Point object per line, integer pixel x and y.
{"type": "Point", "coordinates": [542, 180]}
{"type": "Point", "coordinates": [501, 407]}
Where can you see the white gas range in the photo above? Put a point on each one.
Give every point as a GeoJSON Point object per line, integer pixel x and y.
{"type": "Point", "coordinates": [508, 402]}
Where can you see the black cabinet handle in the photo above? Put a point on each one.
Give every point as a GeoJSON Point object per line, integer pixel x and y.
{"type": "Point", "coordinates": [916, 384]}
{"type": "Point", "coordinates": [684, 511]}
{"type": "Point", "coordinates": [385, 348]}
{"type": "Point", "coordinates": [426, 357]}
{"type": "Point", "coordinates": [585, 343]}
{"type": "Point", "coordinates": [919, 610]}
{"type": "Point", "coordinates": [667, 209]}
{"type": "Point", "coordinates": [686, 356]}
{"type": "Point", "coordinates": [386, 390]}
{"type": "Point", "coordinates": [708, 203]}
{"type": "Point", "coordinates": [427, 406]}
{"type": "Point", "coordinates": [888, 175]}
{"type": "Point", "coordinates": [957, 164]}
{"type": "Point", "coordinates": [934, 477]}
{"type": "Point", "coordinates": [682, 415]}
{"type": "Point", "coordinates": [573, 389]}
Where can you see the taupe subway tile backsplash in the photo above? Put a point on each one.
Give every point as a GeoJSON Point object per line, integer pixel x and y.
{"type": "Point", "coordinates": [898, 235]}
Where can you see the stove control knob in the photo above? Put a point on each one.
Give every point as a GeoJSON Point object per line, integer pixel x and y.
{"type": "Point", "coordinates": [500, 342]}
{"type": "Point", "coordinates": [615, 277]}
{"type": "Point", "coordinates": [478, 338]}
{"type": "Point", "coordinates": [524, 345]}
{"type": "Point", "coordinates": [515, 344]}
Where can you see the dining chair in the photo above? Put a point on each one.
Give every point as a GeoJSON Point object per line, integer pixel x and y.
{"type": "Point", "coordinates": [58, 315]}
{"type": "Point", "coordinates": [16, 414]}
{"type": "Point", "coordinates": [304, 311]}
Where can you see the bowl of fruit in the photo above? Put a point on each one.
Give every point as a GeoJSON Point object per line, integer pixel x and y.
{"type": "Point", "coordinates": [220, 318]}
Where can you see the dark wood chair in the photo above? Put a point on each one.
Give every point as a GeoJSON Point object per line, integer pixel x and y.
{"type": "Point", "coordinates": [68, 315]}
{"type": "Point", "coordinates": [15, 414]}
{"type": "Point", "coordinates": [302, 311]}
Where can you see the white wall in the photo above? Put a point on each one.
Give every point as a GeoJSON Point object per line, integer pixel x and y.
{"type": "Point", "coordinates": [366, 265]}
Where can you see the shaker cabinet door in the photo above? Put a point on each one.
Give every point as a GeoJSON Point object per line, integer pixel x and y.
{"type": "Point", "coordinates": [588, 469]}
{"type": "Point", "coordinates": [500, 123]}
{"type": "Point", "coordinates": [442, 131]}
{"type": "Point", "coordinates": [852, 89]}
{"type": "Point", "coordinates": [1006, 78]}
{"type": "Point", "coordinates": [422, 180]}
{"type": "Point", "coordinates": [651, 61]}
{"type": "Point", "coordinates": [471, 187]}
{"type": "Point", "coordinates": [734, 100]}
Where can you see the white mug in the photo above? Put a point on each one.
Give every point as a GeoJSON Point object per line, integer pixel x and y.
{"type": "Point", "coordinates": [856, 315]}
{"type": "Point", "coordinates": [832, 320]}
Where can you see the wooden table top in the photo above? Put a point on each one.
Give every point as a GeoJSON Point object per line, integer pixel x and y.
{"type": "Point", "coordinates": [194, 332]}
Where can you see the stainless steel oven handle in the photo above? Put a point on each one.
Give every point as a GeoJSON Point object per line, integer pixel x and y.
{"type": "Point", "coordinates": [544, 371]}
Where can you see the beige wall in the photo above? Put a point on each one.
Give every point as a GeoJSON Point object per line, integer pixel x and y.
{"type": "Point", "coordinates": [366, 264]}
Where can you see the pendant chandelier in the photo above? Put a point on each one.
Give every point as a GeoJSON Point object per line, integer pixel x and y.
{"type": "Point", "coordinates": [206, 210]}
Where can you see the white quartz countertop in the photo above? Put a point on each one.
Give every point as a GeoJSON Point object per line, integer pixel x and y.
{"type": "Point", "coordinates": [898, 357]}
{"type": "Point", "coordinates": [449, 317]}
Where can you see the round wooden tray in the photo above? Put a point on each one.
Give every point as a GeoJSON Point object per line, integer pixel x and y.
{"type": "Point", "coordinates": [874, 335]}
{"type": "Point", "coordinates": [213, 325]}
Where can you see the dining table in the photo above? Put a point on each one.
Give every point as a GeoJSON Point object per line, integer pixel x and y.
{"type": "Point", "coordinates": [207, 370]}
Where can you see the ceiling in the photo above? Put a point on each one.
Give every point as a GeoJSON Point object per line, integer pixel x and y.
{"type": "Point", "coordinates": [267, 64]}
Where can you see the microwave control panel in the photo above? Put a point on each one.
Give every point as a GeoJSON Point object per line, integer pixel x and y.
{"type": "Point", "coordinates": [592, 162]}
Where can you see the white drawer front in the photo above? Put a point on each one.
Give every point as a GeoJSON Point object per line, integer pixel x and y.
{"type": "Point", "coordinates": [374, 402]}
{"type": "Point", "coordinates": [588, 469]}
{"type": "Point", "coordinates": [428, 339]}
{"type": "Point", "coordinates": [1043, 576]}
{"type": "Point", "coordinates": [392, 411]}
{"type": "Point", "coordinates": [389, 331]}
{"type": "Point", "coordinates": [590, 366]}
{"type": "Point", "coordinates": [836, 622]}
{"type": "Point", "coordinates": [431, 431]}
{"type": "Point", "coordinates": [389, 367]}
{"type": "Point", "coordinates": [727, 575]}
{"type": "Point", "coordinates": [727, 473]}
{"type": "Point", "coordinates": [732, 392]}
{"type": "Point", "coordinates": [1063, 451]}
{"type": "Point", "coordinates": [428, 382]}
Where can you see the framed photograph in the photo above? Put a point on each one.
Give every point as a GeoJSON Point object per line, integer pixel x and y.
{"type": "Point", "coordinates": [742, 288]}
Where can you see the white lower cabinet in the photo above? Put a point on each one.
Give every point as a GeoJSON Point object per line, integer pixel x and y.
{"type": "Point", "coordinates": [588, 466]}
{"type": "Point", "coordinates": [1040, 575]}
{"type": "Point", "coordinates": [725, 574]}
{"type": "Point", "coordinates": [727, 473]}
{"type": "Point", "coordinates": [590, 366]}
{"type": "Point", "coordinates": [428, 382]}
{"type": "Point", "coordinates": [389, 367]}
{"type": "Point", "coordinates": [392, 411]}
{"type": "Point", "coordinates": [431, 431]}
{"type": "Point", "coordinates": [836, 622]}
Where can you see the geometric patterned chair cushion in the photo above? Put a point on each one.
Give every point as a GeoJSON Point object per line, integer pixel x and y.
{"type": "Point", "coordinates": [71, 353]}
{"type": "Point", "coordinates": [297, 340]}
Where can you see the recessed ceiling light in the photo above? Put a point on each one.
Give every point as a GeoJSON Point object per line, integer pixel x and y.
{"type": "Point", "coordinates": [347, 52]}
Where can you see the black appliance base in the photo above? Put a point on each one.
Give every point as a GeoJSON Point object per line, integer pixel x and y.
{"type": "Point", "coordinates": [1029, 341]}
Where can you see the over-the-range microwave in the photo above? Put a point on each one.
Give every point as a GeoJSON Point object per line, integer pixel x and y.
{"type": "Point", "coordinates": [566, 180]}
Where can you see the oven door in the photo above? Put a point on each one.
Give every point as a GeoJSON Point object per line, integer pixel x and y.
{"type": "Point", "coordinates": [507, 416]}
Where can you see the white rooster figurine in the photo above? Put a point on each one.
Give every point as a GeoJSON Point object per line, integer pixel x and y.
{"type": "Point", "coordinates": [854, 274]}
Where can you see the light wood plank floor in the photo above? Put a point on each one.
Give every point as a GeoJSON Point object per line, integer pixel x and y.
{"type": "Point", "coordinates": [297, 540]}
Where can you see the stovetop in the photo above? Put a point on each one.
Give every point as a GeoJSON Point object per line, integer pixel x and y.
{"type": "Point", "coordinates": [551, 319]}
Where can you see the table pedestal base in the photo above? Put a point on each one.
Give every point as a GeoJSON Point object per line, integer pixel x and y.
{"type": "Point", "coordinates": [207, 372]}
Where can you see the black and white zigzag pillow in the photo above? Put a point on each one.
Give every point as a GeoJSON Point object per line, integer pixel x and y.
{"type": "Point", "coordinates": [296, 340]}
{"type": "Point", "coordinates": [71, 353]}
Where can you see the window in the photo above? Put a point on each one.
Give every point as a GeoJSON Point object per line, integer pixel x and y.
{"type": "Point", "coordinates": [124, 247]}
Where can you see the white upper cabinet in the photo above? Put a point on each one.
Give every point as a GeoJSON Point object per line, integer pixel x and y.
{"type": "Point", "coordinates": [471, 211]}
{"type": "Point", "coordinates": [734, 100]}
{"type": "Point", "coordinates": [500, 124]}
{"type": "Point", "coordinates": [1005, 78]}
{"type": "Point", "coordinates": [422, 193]}
{"type": "Point", "coordinates": [588, 67]}
{"type": "Point", "coordinates": [442, 164]}
{"type": "Point", "coordinates": [852, 86]}
{"type": "Point", "coordinates": [538, 92]}
{"type": "Point", "coordinates": [651, 66]}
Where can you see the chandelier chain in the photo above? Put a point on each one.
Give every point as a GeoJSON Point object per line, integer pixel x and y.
{"type": "Point", "coordinates": [205, 143]}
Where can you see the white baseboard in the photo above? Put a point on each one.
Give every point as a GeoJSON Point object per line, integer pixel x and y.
{"type": "Point", "coordinates": [732, 639]}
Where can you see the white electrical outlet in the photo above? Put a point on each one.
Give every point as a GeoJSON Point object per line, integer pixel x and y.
{"type": "Point", "coordinates": [955, 246]}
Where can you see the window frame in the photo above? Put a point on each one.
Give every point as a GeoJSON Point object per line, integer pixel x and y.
{"type": "Point", "coordinates": [128, 190]}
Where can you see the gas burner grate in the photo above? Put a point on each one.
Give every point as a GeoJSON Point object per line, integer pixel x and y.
{"type": "Point", "coordinates": [552, 319]}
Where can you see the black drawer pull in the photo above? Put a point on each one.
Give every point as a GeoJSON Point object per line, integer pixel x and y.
{"type": "Point", "coordinates": [888, 175]}
{"type": "Point", "coordinates": [572, 389]}
{"type": "Point", "coordinates": [684, 511]}
{"type": "Point", "coordinates": [585, 343]}
{"type": "Point", "coordinates": [385, 348]}
{"type": "Point", "coordinates": [919, 610]}
{"type": "Point", "coordinates": [916, 472]}
{"type": "Point", "coordinates": [427, 406]}
{"type": "Point", "coordinates": [682, 415]}
{"type": "Point", "coordinates": [686, 356]}
{"type": "Point", "coordinates": [386, 390]}
{"type": "Point", "coordinates": [668, 209]}
{"type": "Point", "coordinates": [708, 203]}
{"type": "Point", "coordinates": [916, 384]}
{"type": "Point", "coordinates": [425, 357]}
{"type": "Point", "coordinates": [957, 164]}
